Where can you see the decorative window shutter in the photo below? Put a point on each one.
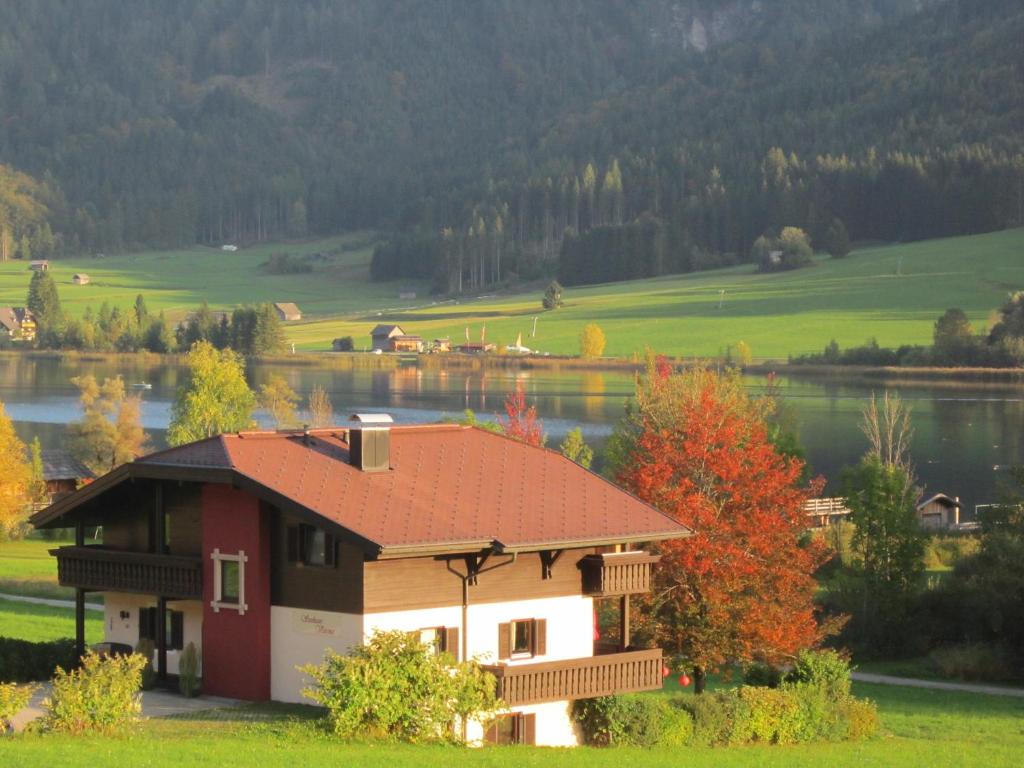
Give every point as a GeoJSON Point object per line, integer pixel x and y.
{"type": "Point", "coordinates": [451, 641]}
{"type": "Point", "coordinates": [177, 630]}
{"type": "Point", "coordinates": [540, 637]}
{"type": "Point", "coordinates": [528, 734]}
{"type": "Point", "coordinates": [147, 624]}
{"type": "Point", "coordinates": [504, 640]}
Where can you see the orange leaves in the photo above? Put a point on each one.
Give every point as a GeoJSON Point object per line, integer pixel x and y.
{"type": "Point", "coordinates": [522, 422]}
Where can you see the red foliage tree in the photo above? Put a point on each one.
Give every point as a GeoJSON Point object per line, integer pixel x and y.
{"type": "Point", "coordinates": [741, 588]}
{"type": "Point", "coordinates": [521, 422]}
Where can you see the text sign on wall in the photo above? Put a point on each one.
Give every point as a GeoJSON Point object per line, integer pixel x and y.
{"type": "Point", "coordinates": [309, 623]}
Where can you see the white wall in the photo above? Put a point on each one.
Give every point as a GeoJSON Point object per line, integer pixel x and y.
{"type": "Point", "coordinates": [299, 636]}
{"type": "Point", "coordinates": [126, 630]}
{"type": "Point", "coordinates": [570, 627]}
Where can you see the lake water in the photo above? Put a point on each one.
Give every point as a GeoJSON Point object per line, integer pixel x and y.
{"type": "Point", "coordinates": [964, 436]}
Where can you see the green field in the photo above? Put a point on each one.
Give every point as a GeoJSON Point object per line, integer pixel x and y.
{"type": "Point", "coordinates": [921, 728]}
{"type": "Point", "coordinates": [28, 568]}
{"type": "Point", "coordinates": [893, 293]}
{"type": "Point", "coordinates": [27, 621]}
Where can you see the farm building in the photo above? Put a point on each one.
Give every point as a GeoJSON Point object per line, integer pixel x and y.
{"type": "Point", "coordinates": [407, 294]}
{"type": "Point", "coordinates": [39, 265]}
{"type": "Point", "coordinates": [475, 347]}
{"type": "Point", "coordinates": [17, 323]}
{"type": "Point", "coordinates": [264, 549]}
{"type": "Point", "coordinates": [80, 278]}
{"type": "Point", "coordinates": [442, 345]}
{"type": "Point", "coordinates": [287, 311]}
{"type": "Point", "coordinates": [406, 344]}
{"type": "Point", "coordinates": [939, 511]}
{"type": "Point", "coordinates": [381, 336]}
{"type": "Point", "coordinates": [62, 473]}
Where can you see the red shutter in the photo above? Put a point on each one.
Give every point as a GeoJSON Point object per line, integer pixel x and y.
{"type": "Point", "coordinates": [451, 641]}
{"type": "Point", "coordinates": [540, 637]}
{"type": "Point", "coordinates": [504, 641]}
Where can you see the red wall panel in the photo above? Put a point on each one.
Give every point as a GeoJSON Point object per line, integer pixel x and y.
{"type": "Point", "coordinates": [236, 647]}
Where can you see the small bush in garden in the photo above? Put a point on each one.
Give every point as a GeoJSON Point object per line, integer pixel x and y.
{"type": "Point", "coordinates": [13, 699]}
{"type": "Point", "coordinates": [188, 671]}
{"type": "Point", "coordinates": [860, 717]}
{"type": "Point", "coordinates": [145, 648]}
{"type": "Point", "coordinates": [719, 718]}
{"type": "Point", "coordinates": [396, 688]}
{"type": "Point", "coordinates": [825, 669]}
{"type": "Point", "coordinates": [762, 675]}
{"type": "Point", "coordinates": [635, 721]}
{"type": "Point", "coordinates": [976, 661]}
{"type": "Point", "coordinates": [102, 695]}
{"type": "Point", "coordinates": [770, 716]}
{"type": "Point", "coordinates": [23, 661]}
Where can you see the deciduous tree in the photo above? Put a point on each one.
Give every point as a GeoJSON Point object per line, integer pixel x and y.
{"type": "Point", "coordinates": [217, 398]}
{"type": "Point", "coordinates": [110, 431]}
{"type": "Point", "coordinates": [279, 400]}
{"type": "Point", "coordinates": [521, 422]}
{"type": "Point", "coordinates": [575, 448]}
{"type": "Point", "coordinates": [741, 588]}
{"type": "Point", "coordinates": [321, 411]}
{"type": "Point", "coordinates": [15, 479]}
{"type": "Point", "coordinates": [592, 341]}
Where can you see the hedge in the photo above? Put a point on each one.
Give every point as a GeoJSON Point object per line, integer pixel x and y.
{"type": "Point", "coordinates": [22, 661]}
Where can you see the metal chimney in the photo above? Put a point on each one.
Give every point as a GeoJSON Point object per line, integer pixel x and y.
{"type": "Point", "coordinates": [369, 441]}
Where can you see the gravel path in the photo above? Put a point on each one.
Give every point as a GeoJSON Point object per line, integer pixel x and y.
{"type": "Point", "coordinates": [910, 682]}
{"type": "Point", "coordinates": [49, 601]}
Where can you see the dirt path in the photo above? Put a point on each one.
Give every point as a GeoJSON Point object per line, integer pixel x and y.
{"type": "Point", "coordinates": [910, 682]}
{"type": "Point", "coordinates": [49, 601]}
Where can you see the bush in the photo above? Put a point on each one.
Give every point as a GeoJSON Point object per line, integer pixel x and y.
{"type": "Point", "coordinates": [285, 264]}
{"type": "Point", "coordinates": [943, 551]}
{"type": "Point", "coordinates": [188, 671]}
{"type": "Point", "coordinates": [975, 661]}
{"type": "Point", "coordinates": [634, 721]}
{"type": "Point", "coordinates": [826, 669]}
{"type": "Point", "coordinates": [101, 696]}
{"type": "Point", "coordinates": [22, 661]}
{"type": "Point", "coordinates": [343, 344]}
{"type": "Point", "coordinates": [719, 718]}
{"type": "Point", "coordinates": [771, 716]}
{"type": "Point", "coordinates": [395, 688]}
{"type": "Point", "coordinates": [860, 717]}
{"type": "Point", "coordinates": [762, 675]}
{"type": "Point", "coordinates": [13, 699]}
{"type": "Point", "coordinates": [145, 648]}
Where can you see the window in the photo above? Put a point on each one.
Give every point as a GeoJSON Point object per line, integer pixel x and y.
{"type": "Point", "coordinates": [174, 627]}
{"type": "Point", "coordinates": [522, 638]}
{"type": "Point", "coordinates": [309, 545]}
{"type": "Point", "coordinates": [440, 639]}
{"type": "Point", "coordinates": [517, 728]}
{"type": "Point", "coordinates": [228, 581]}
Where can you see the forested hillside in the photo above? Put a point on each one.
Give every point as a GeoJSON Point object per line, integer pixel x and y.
{"type": "Point", "coordinates": [493, 133]}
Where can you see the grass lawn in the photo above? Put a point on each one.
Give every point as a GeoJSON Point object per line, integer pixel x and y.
{"type": "Point", "coordinates": [922, 728]}
{"type": "Point", "coordinates": [28, 568]}
{"type": "Point", "coordinates": [27, 621]}
{"type": "Point", "coordinates": [848, 299]}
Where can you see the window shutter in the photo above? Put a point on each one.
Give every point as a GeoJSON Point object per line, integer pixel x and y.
{"type": "Point", "coordinates": [451, 641]}
{"type": "Point", "coordinates": [147, 624]}
{"type": "Point", "coordinates": [294, 548]}
{"type": "Point", "coordinates": [540, 637]}
{"type": "Point", "coordinates": [491, 734]}
{"type": "Point", "coordinates": [504, 641]}
{"type": "Point", "coordinates": [330, 560]}
{"type": "Point", "coordinates": [528, 732]}
{"type": "Point", "coordinates": [177, 630]}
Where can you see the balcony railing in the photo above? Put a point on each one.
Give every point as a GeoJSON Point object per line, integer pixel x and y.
{"type": "Point", "coordinates": [101, 569]}
{"type": "Point", "coordinates": [617, 573]}
{"type": "Point", "coordinates": [579, 678]}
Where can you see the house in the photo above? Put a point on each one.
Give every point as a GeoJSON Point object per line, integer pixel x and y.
{"type": "Point", "coordinates": [442, 345]}
{"type": "Point", "coordinates": [825, 511]}
{"type": "Point", "coordinates": [287, 311]}
{"type": "Point", "coordinates": [266, 548]}
{"type": "Point", "coordinates": [63, 473]}
{"type": "Point", "coordinates": [80, 278]}
{"type": "Point", "coordinates": [229, 248]}
{"type": "Point", "coordinates": [406, 344]}
{"type": "Point", "coordinates": [381, 336]}
{"type": "Point", "coordinates": [407, 294]}
{"type": "Point", "coordinates": [939, 511]}
{"type": "Point", "coordinates": [475, 347]}
{"type": "Point", "coordinates": [39, 265]}
{"type": "Point", "coordinates": [17, 323]}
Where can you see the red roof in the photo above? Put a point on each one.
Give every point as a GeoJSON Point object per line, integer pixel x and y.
{"type": "Point", "coordinates": [451, 487]}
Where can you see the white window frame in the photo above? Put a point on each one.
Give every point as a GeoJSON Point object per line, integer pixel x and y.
{"type": "Point", "coordinates": [217, 603]}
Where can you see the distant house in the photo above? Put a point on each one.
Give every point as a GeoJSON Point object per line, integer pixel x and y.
{"type": "Point", "coordinates": [442, 345]}
{"type": "Point", "coordinates": [17, 323]}
{"type": "Point", "coordinates": [63, 473]}
{"type": "Point", "coordinates": [939, 511]}
{"type": "Point", "coordinates": [230, 248]}
{"type": "Point", "coordinates": [475, 347]}
{"type": "Point", "coordinates": [40, 265]}
{"type": "Point", "coordinates": [381, 336]}
{"type": "Point", "coordinates": [407, 294]}
{"type": "Point", "coordinates": [406, 344]}
{"type": "Point", "coordinates": [287, 311]}
{"type": "Point", "coordinates": [80, 279]}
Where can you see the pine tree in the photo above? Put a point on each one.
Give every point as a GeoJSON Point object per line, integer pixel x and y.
{"type": "Point", "coordinates": [268, 337]}
{"type": "Point", "coordinates": [44, 302]}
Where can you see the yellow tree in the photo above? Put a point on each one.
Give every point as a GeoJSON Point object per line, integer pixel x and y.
{"type": "Point", "coordinates": [110, 432]}
{"type": "Point", "coordinates": [15, 478]}
{"type": "Point", "coordinates": [279, 400]}
{"type": "Point", "coordinates": [592, 341]}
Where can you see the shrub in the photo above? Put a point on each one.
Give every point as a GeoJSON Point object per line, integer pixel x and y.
{"type": "Point", "coordinates": [13, 699]}
{"type": "Point", "coordinates": [188, 671]}
{"type": "Point", "coordinates": [592, 341]}
{"type": "Point", "coordinates": [22, 661]}
{"type": "Point", "coordinates": [718, 718]}
{"type": "Point", "coordinates": [101, 696]}
{"type": "Point", "coordinates": [145, 648]}
{"type": "Point", "coordinates": [860, 717]}
{"type": "Point", "coordinates": [343, 344]}
{"type": "Point", "coordinates": [395, 688]}
{"type": "Point", "coordinates": [825, 669]}
{"type": "Point", "coordinates": [974, 661]}
{"type": "Point", "coordinates": [770, 716]}
{"type": "Point", "coordinates": [634, 721]}
{"type": "Point", "coordinates": [762, 675]}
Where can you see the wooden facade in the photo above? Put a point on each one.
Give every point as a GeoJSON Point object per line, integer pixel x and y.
{"type": "Point", "coordinates": [617, 573]}
{"type": "Point", "coordinates": [101, 569]}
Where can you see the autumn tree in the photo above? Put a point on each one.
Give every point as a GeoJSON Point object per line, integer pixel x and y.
{"type": "Point", "coordinates": [110, 431]}
{"type": "Point", "coordinates": [575, 448]}
{"type": "Point", "coordinates": [521, 421]}
{"type": "Point", "coordinates": [217, 398]}
{"type": "Point", "coordinates": [279, 400]}
{"type": "Point", "coordinates": [695, 446]}
{"type": "Point", "coordinates": [592, 341]}
{"type": "Point", "coordinates": [321, 410]}
{"type": "Point", "coordinates": [15, 479]}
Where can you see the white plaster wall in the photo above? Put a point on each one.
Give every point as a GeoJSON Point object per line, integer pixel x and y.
{"type": "Point", "coordinates": [554, 725]}
{"type": "Point", "coordinates": [570, 627]}
{"type": "Point", "coordinates": [409, 621]}
{"type": "Point", "coordinates": [299, 636]}
{"type": "Point", "coordinates": [118, 630]}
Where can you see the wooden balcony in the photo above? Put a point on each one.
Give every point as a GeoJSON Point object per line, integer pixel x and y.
{"type": "Point", "coordinates": [99, 569]}
{"type": "Point", "coordinates": [578, 678]}
{"type": "Point", "coordinates": [617, 573]}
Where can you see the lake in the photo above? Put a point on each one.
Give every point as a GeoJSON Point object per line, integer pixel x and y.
{"type": "Point", "coordinates": [964, 435]}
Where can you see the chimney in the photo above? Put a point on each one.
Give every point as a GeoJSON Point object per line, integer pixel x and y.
{"type": "Point", "coordinates": [369, 441]}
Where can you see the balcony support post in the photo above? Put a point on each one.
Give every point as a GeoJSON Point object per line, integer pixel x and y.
{"type": "Point", "coordinates": [79, 620]}
{"type": "Point", "coordinates": [161, 638]}
{"type": "Point", "coordinates": [624, 621]}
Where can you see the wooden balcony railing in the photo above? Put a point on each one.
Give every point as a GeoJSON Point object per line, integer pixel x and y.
{"type": "Point", "coordinates": [578, 678]}
{"type": "Point", "coordinates": [617, 573]}
{"type": "Point", "coordinates": [101, 569]}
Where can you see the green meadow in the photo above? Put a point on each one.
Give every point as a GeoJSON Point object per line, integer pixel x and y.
{"type": "Point", "coordinates": [892, 293]}
{"type": "Point", "coordinates": [28, 568]}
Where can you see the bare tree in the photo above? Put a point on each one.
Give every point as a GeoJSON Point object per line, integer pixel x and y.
{"type": "Point", "coordinates": [321, 411]}
{"type": "Point", "coordinates": [887, 428]}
